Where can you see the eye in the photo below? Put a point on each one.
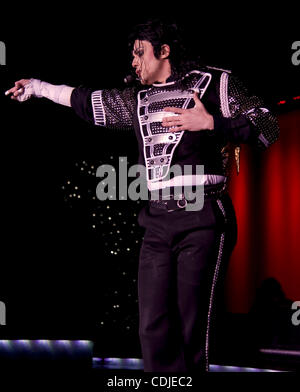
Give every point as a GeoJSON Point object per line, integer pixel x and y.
{"type": "Point", "coordinates": [139, 52]}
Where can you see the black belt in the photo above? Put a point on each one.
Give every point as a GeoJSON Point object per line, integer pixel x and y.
{"type": "Point", "coordinates": [172, 201]}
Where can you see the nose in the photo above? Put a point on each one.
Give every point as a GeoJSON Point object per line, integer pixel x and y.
{"type": "Point", "coordinates": [134, 62]}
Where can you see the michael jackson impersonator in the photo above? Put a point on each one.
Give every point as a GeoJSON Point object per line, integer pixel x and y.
{"type": "Point", "coordinates": [182, 114]}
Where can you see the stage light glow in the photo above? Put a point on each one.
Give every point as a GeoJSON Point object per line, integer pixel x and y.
{"type": "Point", "coordinates": [137, 364]}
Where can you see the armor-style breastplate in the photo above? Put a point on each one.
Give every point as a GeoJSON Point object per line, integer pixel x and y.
{"type": "Point", "coordinates": [159, 143]}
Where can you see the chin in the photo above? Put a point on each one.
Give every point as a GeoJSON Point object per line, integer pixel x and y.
{"type": "Point", "coordinates": [142, 80]}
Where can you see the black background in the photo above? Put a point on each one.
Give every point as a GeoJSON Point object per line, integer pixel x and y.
{"type": "Point", "coordinates": [55, 276]}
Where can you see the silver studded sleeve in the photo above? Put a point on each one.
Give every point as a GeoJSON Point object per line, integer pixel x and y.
{"type": "Point", "coordinates": [245, 118]}
{"type": "Point", "coordinates": [107, 108]}
{"type": "Point", "coordinates": [114, 108]}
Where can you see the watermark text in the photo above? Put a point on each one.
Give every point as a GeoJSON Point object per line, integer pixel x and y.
{"type": "Point", "coordinates": [296, 315]}
{"type": "Point", "coordinates": [178, 178]}
{"type": "Point", "coordinates": [2, 313]}
{"type": "Point", "coordinates": [2, 53]}
{"type": "Point", "coordinates": [296, 55]}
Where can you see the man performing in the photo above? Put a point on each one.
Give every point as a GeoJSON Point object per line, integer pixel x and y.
{"type": "Point", "coordinates": [183, 113]}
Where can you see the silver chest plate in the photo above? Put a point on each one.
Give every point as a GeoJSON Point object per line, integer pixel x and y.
{"type": "Point", "coordinates": [159, 143]}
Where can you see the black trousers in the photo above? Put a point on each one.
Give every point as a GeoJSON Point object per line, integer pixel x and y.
{"type": "Point", "coordinates": [182, 261]}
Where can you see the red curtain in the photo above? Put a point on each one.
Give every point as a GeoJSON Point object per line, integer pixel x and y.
{"type": "Point", "coordinates": [266, 196]}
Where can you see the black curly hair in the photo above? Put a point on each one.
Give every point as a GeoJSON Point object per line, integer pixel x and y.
{"type": "Point", "coordinates": [160, 31]}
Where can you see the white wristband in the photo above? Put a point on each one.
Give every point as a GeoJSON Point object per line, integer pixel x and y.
{"type": "Point", "coordinates": [59, 94]}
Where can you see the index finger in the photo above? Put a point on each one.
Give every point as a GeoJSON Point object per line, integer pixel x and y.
{"type": "Point", "coordinates": [14, 89]}
{"type": "Point", "coordinates": [174, 110]}
{"type": "Point", "coordinates": [19, 87]}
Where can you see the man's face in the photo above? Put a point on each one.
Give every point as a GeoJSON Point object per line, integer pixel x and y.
{"type": "Point", "coordinates": [148, 68]}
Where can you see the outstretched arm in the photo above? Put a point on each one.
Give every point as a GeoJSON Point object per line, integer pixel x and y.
{"type": "Point", "coordinates": [26, 88]}
{"type": "Point", "coordinates": [107, 108]}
